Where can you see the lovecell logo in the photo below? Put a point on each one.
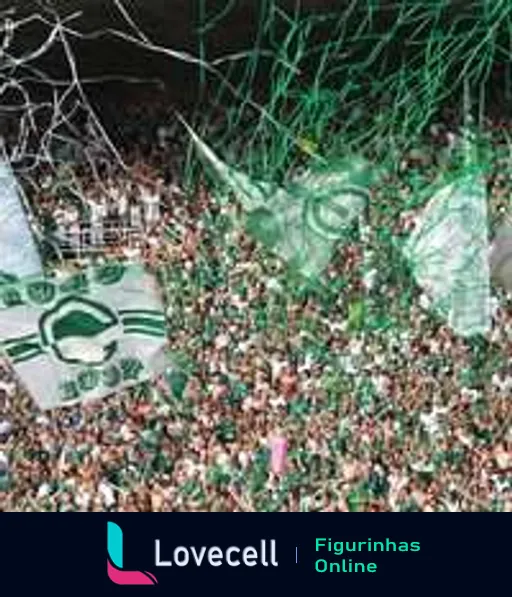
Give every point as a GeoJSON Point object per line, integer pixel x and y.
{"type": "Point", "coordinates": [115, 561]}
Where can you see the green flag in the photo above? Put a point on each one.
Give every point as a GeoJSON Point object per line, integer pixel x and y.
{"type": "Point", "coordinates": [302, 222]}
{"type": "Point", "coordinates": [449, 250]}
{"type": "Point", "coordinates": [83, 337]}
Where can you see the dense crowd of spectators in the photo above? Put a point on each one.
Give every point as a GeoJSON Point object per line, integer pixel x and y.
{"type": "Point", "coordinates": [283, 396]}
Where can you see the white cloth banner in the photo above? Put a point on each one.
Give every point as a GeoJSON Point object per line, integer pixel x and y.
{"type": "Point", "coordinates": [18, 253]}
{"type": "Point", "coordinates": [449, 253]}
{"type": "Point", "coordinates": [85, 337]}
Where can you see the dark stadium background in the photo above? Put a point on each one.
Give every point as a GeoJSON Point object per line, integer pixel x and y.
{"type": "Point", "coordinates": [176, 24]}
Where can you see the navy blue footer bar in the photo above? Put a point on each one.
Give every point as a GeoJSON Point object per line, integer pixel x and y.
{"type": "Point", "coordinates": [239, 554]}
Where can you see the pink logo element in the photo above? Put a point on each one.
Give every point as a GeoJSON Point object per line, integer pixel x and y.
{"type": "Point", "coordinates": [115, 561]}
{"type": "Point", "coordinates": [129, 577]}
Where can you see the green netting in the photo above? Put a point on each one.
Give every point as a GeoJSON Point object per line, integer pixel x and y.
{"type": "Point", "coordinates": [368, 76]}
{"type": "Point", "coordinates": [320, 109]}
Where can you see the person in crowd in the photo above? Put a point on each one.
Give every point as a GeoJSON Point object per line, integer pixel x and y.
{"type": "Point", "coordinates": [273, 402]}
{"type": "Point", "coordinates": [74, 229]}
{"type": "Point", "coordinates": [123, 206]}
{"type": "Point", "coordinates": [151, 202]}
{"type": "Point", "coordinates": [98, 213]}
{"type": "Point", "coordinates": [135, 211]}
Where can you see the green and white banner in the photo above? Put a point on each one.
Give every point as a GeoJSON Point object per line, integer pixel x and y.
{"type": "Point", "coordinates": [86, 336]}
{"type": "Point", "coordinates": [304, 221]}
{"type": "Point", "coordinates": [448, 251]}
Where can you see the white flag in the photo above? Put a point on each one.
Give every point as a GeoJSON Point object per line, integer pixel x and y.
{"type": "Point", "coordinates": [84, 337]}
{"type": "Point", "coordinates": [449, 250]}
{"type": "Point", "coordinates": [18, 253]}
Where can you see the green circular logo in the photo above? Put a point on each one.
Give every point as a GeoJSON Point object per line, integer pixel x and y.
{"type": "Point", "coordinates": [80, 331]}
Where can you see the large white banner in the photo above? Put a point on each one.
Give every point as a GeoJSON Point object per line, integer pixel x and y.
{"type": "Point", "coordinates": [86, 336]}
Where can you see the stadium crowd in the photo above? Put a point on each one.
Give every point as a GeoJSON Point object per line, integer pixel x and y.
{"type": "Point", "coordinates": [342, 396]}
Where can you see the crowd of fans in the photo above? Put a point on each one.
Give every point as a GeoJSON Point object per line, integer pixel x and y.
{"type": "Point", "coordinates": [342, 396]}
{"type": "Point", "coordinates": [118, 207]}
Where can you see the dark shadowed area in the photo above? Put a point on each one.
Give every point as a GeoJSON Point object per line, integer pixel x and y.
{"type": "Point", "coordinates": [210, 29]}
